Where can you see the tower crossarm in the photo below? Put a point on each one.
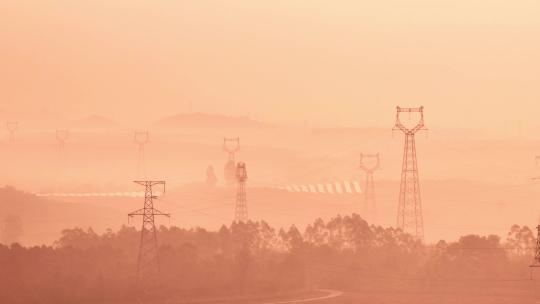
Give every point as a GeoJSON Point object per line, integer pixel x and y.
{"type": "Point", "coordinates": [157, 212]}
{"type": "Point", "coordinates": [372, 168]}
{"type": "Point", "coordinates": [154, 212]}
{"type": "Point", "coordinates": [231, 144]}
{"type": "Point", "coordinates": [399, 125]}
{"type": "Point", "coordinates": [62, 135]}
{"type": "Point", "coordinates": [136, 212]}
{"type": "Point", "coordinates": [12, 126]}
{"type": "Point", "coordinates": [141, 137]}
{"type": "Point", "coordinates": [151, 183]}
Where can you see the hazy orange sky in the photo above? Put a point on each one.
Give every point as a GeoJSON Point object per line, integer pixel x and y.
{"type": "Point", "coordinates": [470, 63]}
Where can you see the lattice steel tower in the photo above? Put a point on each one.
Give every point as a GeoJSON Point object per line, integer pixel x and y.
{"type": "Point", "coordinates": [12, 128]}
{"type": "Point", "coordinates": [409, 215]}
{"type": "Point", "coordinates": [536, 262]}
{"type": "Point", "coordinates": [62, 136]}
{"type": "Point", "coordinates": [537, 249]}
{"type": "Point", "coordinates": [369, 207]}
{"type": "Point", "coordinates": [241, 214]}
{"type": "Point", "coordinates": [148, 270]}
{"type": "Point", "coordinates": [231, 146]}
{"type": "Point", "coordinates": [141, 138]}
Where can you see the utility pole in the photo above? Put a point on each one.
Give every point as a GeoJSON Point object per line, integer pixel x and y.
{"type": "Point", "coordinates": [12, 128]}
{"type": "Point", "coordinates": [148, 269]}
{"type": "Point", "coordinates": [231, 146]}
{"type": "Point", "coordinates": [141, 138]}
{"type": "Point", "coordinates": [409, 216]}
{"type": "Point", "coordinates": [369, 208]}
{"type": "Point", "coordinates": [241, 213]}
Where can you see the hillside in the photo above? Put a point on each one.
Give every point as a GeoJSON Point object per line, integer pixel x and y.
{"type": "Point", "coordinates": [205, 120]}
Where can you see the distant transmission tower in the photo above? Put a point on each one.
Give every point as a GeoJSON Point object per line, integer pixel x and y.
{"type": "Point", "coordinates": [536, 262]}
{"type": "Point", "coordinates": [409, 217]}
{"type": "Point", "coordinates": [62, 136]}
{"type": "Point", "coordinates": [141, 138]}
{"type": "Point", "coordinates": [241, 214]}
{"type": "Point", "coordinates": [148, 261]}
{"type": "Point", "coordinates": [369, 208]}
{"type": "Point", "coordinates": [231, 146]}
{"type": "Point", "coordinates": [537, 160]}
{"type": "Point", "coordinates": [12, 128]}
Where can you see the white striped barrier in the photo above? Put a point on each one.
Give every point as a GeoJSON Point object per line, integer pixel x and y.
{"type": "Point", "coordinates": [337, 187]}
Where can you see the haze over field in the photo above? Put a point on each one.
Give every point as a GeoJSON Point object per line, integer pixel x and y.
{"type": "Point", "coordinates": [458, 176]}
{"type": "Point", "coordinates": [306, 86]}
{"type": "Point", "coordinates": [473, 64]}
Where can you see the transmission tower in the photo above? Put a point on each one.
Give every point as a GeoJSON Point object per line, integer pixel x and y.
{"type": "Point", "coordinates": [141, 138]}
{"type": "Point", "coordinates": [148, 270]}
{"type": "Point", "coordinates": [62, 136]}
{"type": "Point", "coordinates": [537, 160]}
{"type": "Point", "coordinates": [409, 215]}
{"type": "Point", "coordinates": [369, 208]}
{"type": "Point", "coordinates": [12, 128]}
{"type": "Point", "coordinates": [231, 146]}
{"type": "Point", "coordinates": [241, 214]}
{"type": "Point", "coordinates": [536, 262]}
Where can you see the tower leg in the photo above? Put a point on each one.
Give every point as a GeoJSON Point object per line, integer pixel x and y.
{"type": "Point", "coordinates": [370, 212]}
{"type": "Point", "coordinates": [410, 218]}
{"type": "Point", "coordinates": [241, 214]}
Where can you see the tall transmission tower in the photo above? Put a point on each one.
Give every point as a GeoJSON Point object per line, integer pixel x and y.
{"type": "Point", "coordinates": [240, 213]}
{"type": "Point", "coordinates": [231, 146]}
{"type": "Point", "coordinates": [369, 207]}
{"type": "Point", "coordinates": [148, 269]}
{"type": "Point", "coordinates": [12, 128]}
{"type": "Point", "coordinates": [409, 215]}
{"type": "Point", "coordinates": [141, 138]}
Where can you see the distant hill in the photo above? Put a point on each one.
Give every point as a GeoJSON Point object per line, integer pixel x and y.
{"type": "Point", "coordinates": [43, 219]}
{"type": "Point", "coordinates": [203, 120]}
{"type": "Point", "coordinates": [350, 131]}
{"type": "Point", "coordinates": [95, 122]}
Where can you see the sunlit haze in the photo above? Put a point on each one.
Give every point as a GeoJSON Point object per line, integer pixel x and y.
{"type": "Point", "coordinates": [283, 151]}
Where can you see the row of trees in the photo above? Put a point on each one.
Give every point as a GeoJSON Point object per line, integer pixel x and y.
{"type": "Point", "coordinates": [254, 258]}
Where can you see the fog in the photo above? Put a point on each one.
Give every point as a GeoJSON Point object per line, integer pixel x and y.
{"type": "Point", "coordinates": [306, 87]}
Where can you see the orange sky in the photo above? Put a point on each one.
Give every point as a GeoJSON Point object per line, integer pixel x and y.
{"type": "Point", "coordinates": [470, 63]}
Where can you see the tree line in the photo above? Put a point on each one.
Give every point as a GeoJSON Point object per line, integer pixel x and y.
{"type": "Point", "coordinates": [255, 258]}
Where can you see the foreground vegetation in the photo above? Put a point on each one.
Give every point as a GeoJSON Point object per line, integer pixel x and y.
{"type": "Point", "coordinates": [254, 258]}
